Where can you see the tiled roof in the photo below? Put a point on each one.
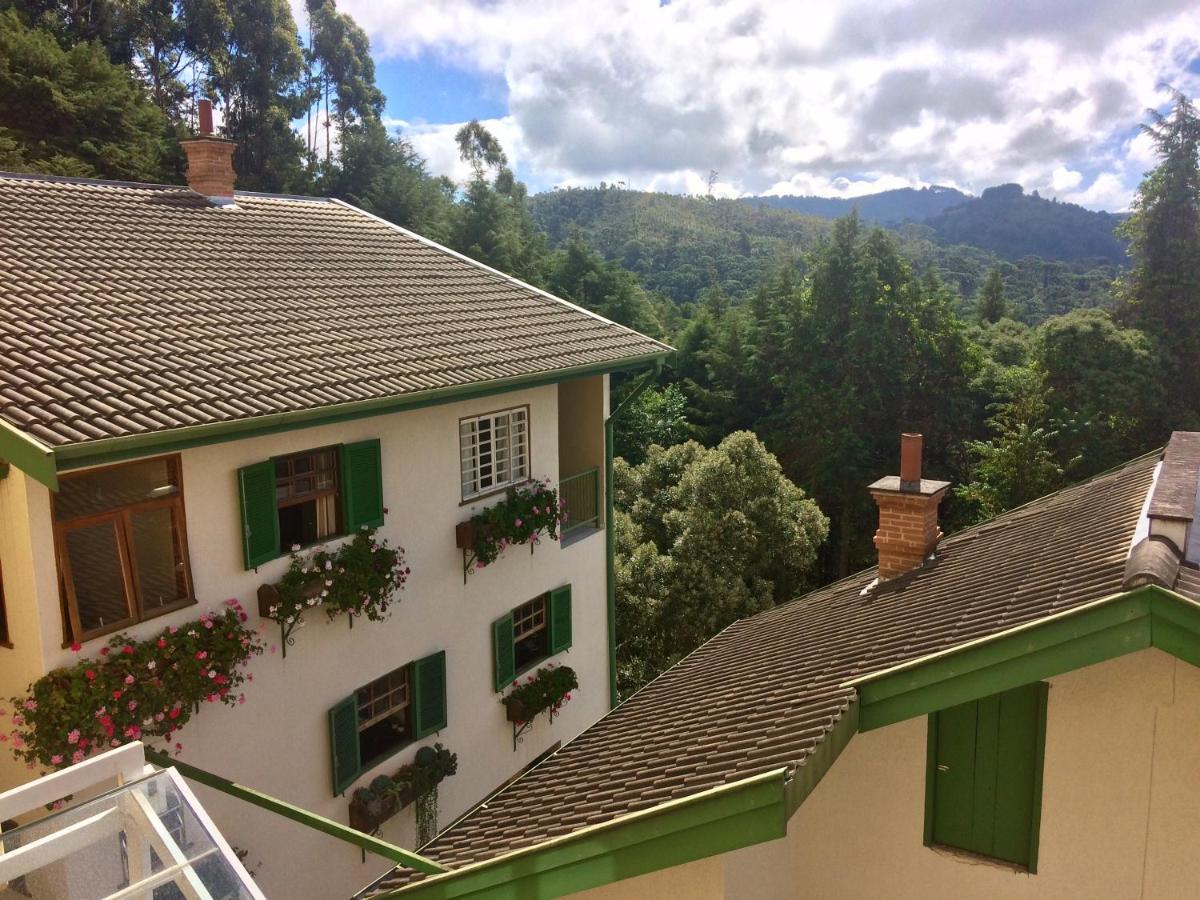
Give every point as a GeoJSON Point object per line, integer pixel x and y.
{"type": "Point", "coordinates": [766, 691]}
{"type": "Point", "coordinates": [131, 309]}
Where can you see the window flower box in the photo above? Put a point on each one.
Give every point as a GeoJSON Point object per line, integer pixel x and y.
{"type": "Point", "coordinates": [547, 690]}
{"type": "Point", "coordinates": [416, 782]}
{"type": "Point", "coordinates": [522, 517]}
{"type": "Point", "coordinates": [133, 690]}
{"type": "Point", "coordinates": [359, 578]}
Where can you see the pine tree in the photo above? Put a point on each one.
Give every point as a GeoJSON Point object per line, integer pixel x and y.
{"type": "Point", "coordinates": [991, 306]}
{"type": "Point", "coordinates": [1161, 295]}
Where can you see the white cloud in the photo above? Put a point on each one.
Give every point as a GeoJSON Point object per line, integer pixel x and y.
{"type": "Point", "coordinates": [802, 94]}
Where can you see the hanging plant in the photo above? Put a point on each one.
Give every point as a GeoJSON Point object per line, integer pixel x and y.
{"type": "Point", "coordinates": [520, 518]}
{"type": "Point", "coordinates": [359, 578]}
{"type": "Point", "coordinates": [415, 783]}
{"type": "Point", "coordinates": [134, 690]}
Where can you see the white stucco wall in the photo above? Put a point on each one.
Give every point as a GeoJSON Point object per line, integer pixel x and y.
{"type": "Point", "coordinates": [278, 741]}
{"type": "Point", "coordinates": [1120, 808]}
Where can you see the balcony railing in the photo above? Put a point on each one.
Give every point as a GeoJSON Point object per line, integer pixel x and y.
{"type": "Point", "coordinates": [581, 493]}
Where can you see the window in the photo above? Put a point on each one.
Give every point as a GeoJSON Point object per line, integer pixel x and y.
{"type": "Point", "coordinates": [380, 718]}
{"type": "Point", "coordinates": [305, 498]}
{"type": "Point", "coordinates": [122, 547]}
{"type": "Point", "coordinates": [384, 720]}
{"type": "Point", "coordinates": [494, 451]}
{"type": "Point", "coordinates": [306, 492]}
{"type": "Point", "coordinates": [532, 632]}
{"type": "Point", "coordinates": [984, 778]}
{"type": "Point", "coordinates": [531, 637]}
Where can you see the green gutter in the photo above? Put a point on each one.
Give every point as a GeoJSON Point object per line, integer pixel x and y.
{"type": "Point", "coordinates": [610, 537]}
{"type": "Point", "coordinates": [90, 453]}
{"type": "Point", "coordinates": [296, 814]}
{"type": "Point", "coordinates": [674, 833]}
{"type": "Point", "coordinates": [1112, 626]}
{"type": "Point", "coordinates": [28, 454]}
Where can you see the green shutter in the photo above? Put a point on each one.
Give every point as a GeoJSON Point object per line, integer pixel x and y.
{"type": "Point", "coordinates": [560, 619]}
{"type": "Point", "coordinates": [260, 516]}
{"type": "Point", "coordinates": [429, 695]}
{"type": "Point", "coordinates": [362, 486]}
{"type": "Point", "coordinates": [985, 775]}
{"type": "Point", "coordinates": [503, 652]}
{"type": "Point", "coordinates": [343, 743]}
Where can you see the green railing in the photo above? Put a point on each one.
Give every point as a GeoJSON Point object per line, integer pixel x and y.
{"type": "Point", "coordinates": [581, 494]}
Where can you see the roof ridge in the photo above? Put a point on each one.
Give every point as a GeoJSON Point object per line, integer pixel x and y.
{"type": "Point", "coordinates": [965, 533]}
{"type": "Point", "coordinates": [151, 185]}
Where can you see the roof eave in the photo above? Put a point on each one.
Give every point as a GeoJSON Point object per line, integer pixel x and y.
{"type": "Point", "coordinates": [107, 450]}
{"type": "Point", "coordinates": [29, 455]}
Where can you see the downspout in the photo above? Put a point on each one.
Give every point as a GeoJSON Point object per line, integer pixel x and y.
{"type": "Point", "coordinates": [609, 537]}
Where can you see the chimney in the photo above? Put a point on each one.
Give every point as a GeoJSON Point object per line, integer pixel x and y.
{"type": "Point", "coordinates": [908, 513]}
{"type": "Point", "coordinates": [210, 160]}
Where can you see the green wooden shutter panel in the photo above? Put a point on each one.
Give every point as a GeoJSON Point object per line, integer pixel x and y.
{"type": "Point", "coordinates": [560, 619]}
{"type": "Point", "coordinates": [362, 486]}
{"type": "Point", "coordinates": [343, 743]}
{"type": "Point", "coordinates": [429, 694]}
{"type": "Point", "coordinates": [260, 517]}
{"type": "Point", "coordinates": [985, 766]}
{"type": "Point", "coordinates": [503, 652]}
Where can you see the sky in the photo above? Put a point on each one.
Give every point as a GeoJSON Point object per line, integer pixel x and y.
{"type": "Point", "coordinates": [829, 98]}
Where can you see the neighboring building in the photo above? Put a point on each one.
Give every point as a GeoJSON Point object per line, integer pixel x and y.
{"type": "Point", "coordinates": [192, 381]}
{"type": "Point", "coordinates": [1014, 712]}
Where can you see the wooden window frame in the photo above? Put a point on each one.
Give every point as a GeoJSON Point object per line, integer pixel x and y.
{"type": "Point", "coordinates": [404, 689]}
{"type": "Point", "coordinates": [410, 721]}
{"type": "Point", "coordinates": [121, 518]}
{"type": "Point", "coordinates": [500, 487]}
{"type": "Point", "coordinates": [542, 600]}
{"type": "Point", "coordinates": [314, 495]}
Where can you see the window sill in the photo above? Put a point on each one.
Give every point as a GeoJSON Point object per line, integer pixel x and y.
{"type": "Point", "coordinates": [579, 535]}
{"type": "Point", "coordinates": [131, 622]}
{"type": "Point", "coordinates": [979, 859]}
{"type": "Point", "coordinates": [475, 498]}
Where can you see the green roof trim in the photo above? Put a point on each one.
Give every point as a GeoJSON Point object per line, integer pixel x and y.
{"type": "Point", "coordinates": [28, 454]}
{"type": "Point", "coordinates": [821, 760]}
{"type": "Point", "coordinates": [1112, 626]}
{"type": "Point", "coordinates": [107, 450]}
{"type": "Point", "coordinates": [680, 831]}
{"type": "Point", "coordinates": [281, 807]}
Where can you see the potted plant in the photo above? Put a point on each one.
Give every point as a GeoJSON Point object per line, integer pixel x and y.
{"type": "Point", "coordinates": [544, 691]}
{"type": "Point", "coordinates": [522, 517]}
{"type": "Point", "coordinates": [416, 783]}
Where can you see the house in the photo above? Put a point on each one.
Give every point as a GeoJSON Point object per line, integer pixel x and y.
{"type": "Point", "coordinates": [196, 380]}
{"type": "Point", "coordinates": [1013, 711]}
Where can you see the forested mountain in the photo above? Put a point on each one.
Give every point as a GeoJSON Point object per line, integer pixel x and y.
{"type": "Point", "coordinates": [683, 246]}
{"type": "Point", "coordinates": [1014, 224]}
{"type": "Point", "coordinates": [886, 207]}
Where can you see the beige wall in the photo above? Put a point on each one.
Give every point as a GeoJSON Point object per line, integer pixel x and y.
{"type": "Point", "coordinates": [699, 880]}
{"type": "Point", "coordinates": [1120, 808]}
{"type": "Point", "coordinates": [278, 741]}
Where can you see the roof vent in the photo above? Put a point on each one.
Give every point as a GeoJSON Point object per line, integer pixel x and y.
{"type": "Point", "coordinates": [210, 160]}
{"type": "Point", "coordinates": [908, 512]}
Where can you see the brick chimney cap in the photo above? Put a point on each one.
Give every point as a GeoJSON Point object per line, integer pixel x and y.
{"type": "Point", "coordinates": [891, 484]}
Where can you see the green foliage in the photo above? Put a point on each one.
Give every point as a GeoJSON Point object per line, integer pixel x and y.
{"type": "Point", "coordinates": [416, 783]}
{"type": "Point", "coordinates": [866, 350]}
{"type": "Point", "coordinates": [703, 537]}
{"type": "Point", "coordinates": [135, 690]}
{"type": "Point", "coordinates": [1103, 390]}
{"type": "Point", "coordinates": [1161, 295]}
{"type": "Point", "coordinates": [655, 416]}
{"type": "Point", "coordinates": [358, 578]}
{"type": "Point", "coordinates": [990, 304]}
{"type": "Point", "coordinates": [520, 518]}
{"type": "Point", "coordinates": [74, 112]}
{"type": "Point", "coordinates": [1017, 464]}
{"type": "Point", "coordinates": [581, 275]}
{"type": "Point", "coordinates": [545, 691]}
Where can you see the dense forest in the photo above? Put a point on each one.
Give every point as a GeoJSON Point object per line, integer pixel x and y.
{"type": "Point", "coordinates": [805, 346]}
{"type": "Point", "coordinates": [893, 207]}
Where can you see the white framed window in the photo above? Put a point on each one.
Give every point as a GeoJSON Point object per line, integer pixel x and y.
{"type": "Point", "coordinates": [494, 450]}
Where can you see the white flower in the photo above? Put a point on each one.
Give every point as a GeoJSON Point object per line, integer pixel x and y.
{"type": "Point", "coordinates": [324, 593]}
{"type": "Point", "coordinates": [328, 565]}
{"type": "Point", "coordinates": [312, 601]}
{"type": "Point", "coordinates": [295, 547]}
{"type": "Point", "coordinates": [328, 582]}
{"type": "Point", "coordinates": [150, 665]}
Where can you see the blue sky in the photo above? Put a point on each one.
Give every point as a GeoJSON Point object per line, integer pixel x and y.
{"type": "Point", "coordinates": [805, 96]}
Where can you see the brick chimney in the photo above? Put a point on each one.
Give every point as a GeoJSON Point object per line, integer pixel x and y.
{"type": "Point", "coordinates": [908, 513]}
{"type": "Point", "coordinates": [210, 160]}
